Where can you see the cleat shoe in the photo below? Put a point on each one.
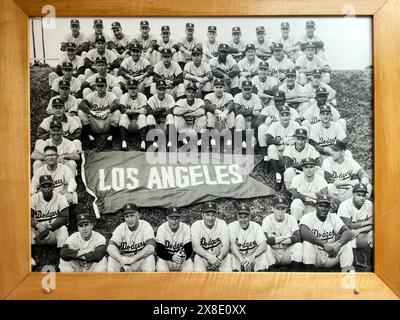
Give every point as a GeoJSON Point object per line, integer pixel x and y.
{"type": "Point", "coordinates": [143, 146]}
{"type": "Point", "coordinates": [244, 145]}
{"type": "Point", "coordinates": [199, 142]}
{"type": "Point", "coordinates": [124, 146]}
{"type": "Point", "coordinates": [185, 141]}
{"type": "Point", "coordinates": [229, 143]}
{"type": "Point", "coordinates": [214, 143]}
{"type": "Point", "coordinates": [266, 158]}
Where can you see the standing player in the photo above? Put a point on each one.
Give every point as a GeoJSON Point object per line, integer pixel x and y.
{"type": "Point", "coordinates": [132, 245]}
{"type": "Point", "coordinates": [165, 42]}
{"type": "Point", "coordinates": [326, 239]}
{"type": "Point", "coordinates": [174, 248]}
{"type": "Point", "coordinates": [305, 187]}
{"type": "Point", "coordinates": [236, 45]}
{"type": "Point", "coordinates": [248, 66]}
{"type": "Point", "coordinates": [74, 83]}
{"type": "Point", "coordinates": [76, 37]}
{"type": "Point", "coordinates": [210, 240]}
{"type": "Point", "coordinates": [283, 235]}
{"type": "Point", "coordinates": [98, 32]}
{"type": "Point", "coordinates": [49, 215]}
{"type": "Point", "coordinates": [290, 47]}
{"type": "Point", "coordinates": [296, 96]}
{"type": "Point", "coordinates": [263, 47]}
{"type": "Point", "coordinates": [186, 45]}
{"type": "Point", "coordinates": [119, 43]}
{"type": "Point", "coordinates": [146, 41]}
{"type": "Point", "coordinates": [264, 85]}
{"type": "Point", "coordinates": [248, 246]}
{"type": "Point", "coordinates": [210, 46]}
{"type": "Point", "coordinates": [310, 36]}
{"type": "Point", "coordinates": [278, 63]}
{"type": "Point", "coordinates": [133, 106]}
{"type": "Point", "coordinates": [84, 250]}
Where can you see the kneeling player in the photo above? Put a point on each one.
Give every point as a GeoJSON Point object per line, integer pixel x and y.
{"type": "Point", "coordinates": [174, 248]}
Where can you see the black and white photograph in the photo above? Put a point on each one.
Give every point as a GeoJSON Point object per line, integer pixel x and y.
{"type": "Point", "coordinates": [202, 144]}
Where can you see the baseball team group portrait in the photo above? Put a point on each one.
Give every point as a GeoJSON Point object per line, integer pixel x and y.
{"type": "Point", "coordinates": [202, 144]}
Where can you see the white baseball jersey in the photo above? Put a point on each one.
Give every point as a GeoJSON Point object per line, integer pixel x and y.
{"type": "Point", "coordinates": [76, 242]}
{"type": "Point", "coordinates": [200, 71]}
{"type": "Point", "coordinates": [315, 63]}
{"type": "Point", "coordinates": [71, 105]}
{"type": "Point", "coordinates": [210, 239]}
{"type": "Point", "coordinates": [173, 241]}
{"type": "Point", "coordinates": [76, 63]}
{"type": "Point", "coordinates": [264, 47]}
{"type": "Point", "coordinates": [295, 91]}
{"type": "Point", "coordinates": [48, 211]}
{"type": "Point", "coordinates": [285, 228]}
{"type": "Point", "coordinates": [98, 104]}
{"type": "Point", "coordinates": [272, 112]}
{"type": "Point", "coordinates": [247, 240]}
{"type": "Point", "coordinates": [302, 186]}
{"type": "Point", "coordinates": [81, 38]}
{"type": "Point", "coordinates": [170, 73]}
{"type": "Point", "coordinates": [326, 136]}
{"type": "Point", "coordinates": [108, 54]}
{"type": "Point", "coordinates": [133, 104]}
{"type": "Point", "coordinates": [132, 242]}
{"type": "Point", "coordinates": [326, 230]}
{"type": "Point", "coordinates": [254, 103]}
{"type": "Point", "coordinates": [226, 67]}
{"type": "Point", "coordinates": [62, 177]}
{"type": "Point", "coordinates": [313, 115]}
{"type": "Point", "coordinates": [145, 43]}
{"type": "Point", "coordinates": [92, 38]}
{"type": "Point", "coordinates": [220, 103]}
{"type": "Point", "coordinates": [305, 38]}
{"type": "Point", "coordinates": [121, 44]}
{"type": "Point", "coordinates": [241, 46]}
{"type": "Point", "coordinates": [111, 80]}
{"type": "Point", "coordinates": [189, 45]}
{"type": "Point", "coordinates": [195, 106]}
{"type": "Point", "coordinates": [348, 210]}
{"type": "Point", "coordinates": [210, 48]}
{"type": "Point", "coordinates": [288, 43]}
{"type": "Point", "coordinates": [63, 148]}
{"type": "Point", "coordinates": [155, 103]}
{"type": "Point", "coordinates": [279, 132]}
{"type": "Point", "coordinates": [246, 66]}
{"type": "Point", "coordinates": [135, 68]}
{"type": "Point", "coordinates": [308, 152]}
{"type": "Point", "coordinates": [74, 85]}
{"type": "Point", "coordinates": [263, 85]}
{"type": "Point", "coordinates": [281, 66]}
{"type": "Point", "coordinates": [166, 45]}
{"type": "Point", "coordinates": [342, 171]}
{"type": "Point", "coordinates": [69, 124]}
{"type": "Point", "coordinates": [311, 90]}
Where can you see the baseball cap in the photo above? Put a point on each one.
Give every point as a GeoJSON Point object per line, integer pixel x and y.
{"type": "Point", "coordinates": [285, 25]}
{"type": "Point", "coordinates": [101, 60]}
{"type": "Point", "coordinates": [74, 22]}
{"type": "Point", "coordinates": [98, 22]}
{"type": "Point", "coordinates": [210, 206]}
{"type": "Point", "coordinates": [219, 82]}
{"type": "Point", "coordinates": [135, 47]}
{"type": "Point", "coordinates": [63, 84]}
{"type": "Point", "coordinates": [58, 102]}
{"type": "Point", "coordinates": [317, 73]}
{"type": "Point", "coordinates": [223, 47]}
{"type": "Point", "coordinates": [243, 208]}
{"type": "Point", "coordinates": [132, 83]}
{"type": "Point", "coordinates": [173, 212]}
{"type": "Point", "coordinates": [250, 46]}
{"type": "Point", "coordinates": [67, 65]}
{"type": "Point", "coordinates": [340, 145]}
{"type": "Point", "coordinates": [300, 132]}
{"type": "Point", "coordinates": [129, 207]}
{"type": "Point", "coordinates": [166, 52]}
{"type": "Point", "coordinates": [280, 95]}
{"type": "Point", "coordinates": [284, 109]}
{"type": "Point", "coordinates": [161, 84]}
{"type": "Point", "coordinates": [260, 28]}
{"type": "Point", "coordinates": [290, 71]}
{"type": "Point", "coordinates": [306, 161]}
{"type": "Point", "coordinates": [83, 217]}
{"type": "Point", "coordinates": [189, 25]}
{"type": "Point", "coordinates": [100, 38]}
{"type": "Point", "coordinates": [100, 80]}
{"type": "Point", "coordinates": [277, 46]}
{"type": "Point", "coordinates": [165, 29]}
{"type": "Point", "coordinates": [144, 23]}
{"type": "Point", "coordinates": [197, 50]}
{"type": "Point", "coordinates": [236, 30]}
{"type": "Point", "coordinates": [279, 200]}
{"type": "Point", "coordinates": [191, 86]}
{"type": "Point", "coordinates": [247, 84]}
{"type": "Point", "coordinates": [212, 29]}
{"type": "Point", "coordinates": [309, 44]}
{"type": "Point", "coordinates": [55, 124]}
{"type": "Point", "coordinates": [115, 24]}
{"type": "Point", "coordinates": [263, 65]}
{"type": "Point", "coordinates": [310, 23]}
{"type": "Point", "coordinates": [360, 187]}
{"type": "Point", "coordinates": [325, 108]}
{"type": "Point", "coordinates": [45, 179]}
{"type": "Point", "coordinates": [70, 45]}
{"type": "Point", "coordinates": [323, 198]}
{"type": "Point", "coordinates": [321, 92]}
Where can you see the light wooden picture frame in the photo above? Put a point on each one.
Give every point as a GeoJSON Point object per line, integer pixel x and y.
{"type": "Point", "coordinates": [18, 282]}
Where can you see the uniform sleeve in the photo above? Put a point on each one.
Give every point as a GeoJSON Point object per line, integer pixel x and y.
{"type": "Point", "coordinates": [314, 132]}
{"type": "Point", "coordinates": [326, 165]}
{"type": "Point", "coordinates": [90, 55]}
{"type": "Point", "coordinates": [49, 106]}
{"type": "Point", "coordinates": [117, 235]}
{"type": "Point", "coordinates": [355, 167]}
{"type": "Point", "coordinates": [39, 146]}
{"type": "Point", "coordinates": [295, 115]}
{"type": "Point", "coordinates": [338, 223]}
{"type": "Point", "coordinates": [299, 62]}
{"type": "Point", "coordinates": [160, 236]}
{"type": "Point", "coordinates": [257, 103]}
{"type": "Point", "coordinates": [148, 232]}
{"type": "Point", "coordinates": [195, 230]}
{"type": "Point", "coordinates": [63, 203]}
{"type": "Point", "coordinates": [71, 147]}
{"type": "Point", "coordinates": [237, 99]}
{"type": "Point", "coordinates": [35, 182]}
{"type": "Point", "coordinates": [90, 98]}
{"type": "Point", "coordinates": [294, 226]}
{"type": "Point", "coordinates": [124, 99]}
{"type": "Point", "coordinates": [45, 124]}
{"type": "Point", "coordinates": [157, 68]}
{"type": "Point", "coordinates": [260, 237]}
{"type": "Point", "coordinates": [74, 125]}
{"type": "Point", "coordinates": [306, 220]}
{"type": "Point", "coordinates": [111, 98]}
{"type": "Point", "coordinates": [112, 55]}
{"type": "Point", "coordinates": [287, 152]}
{"type": "Point", "coordinates": [80, 62]}
{"type": "Point", "coordinates": [343, 211]}
{"type": "Point", "coordinates": [266, 226]}
{"type": "Point", "coordinates": [178, 69]}
{"type": "Point", "coordinates": [340, 134]}
{"type": "Point", "coordinates": [74, 105]}
{"type": "Point", "coordinates": [124, 63]}
{"type": "Point", "coordinates": [295, 183]}
{"type": "Point", "coordinates": [171, 102]}
{"type": "Point", "coordinates": [186, 234]}
{"type": "Point", "coordinates": [54, 86]}
{"type": "Point", "coordinates": [313, 153]}
{"type": "Point", "coordinates": [232, 235]}
{"type": "Point", "coordinates": [272, 129]}
{"type": "Point", "coordinates": [143, 100]}
{"type": "Point", "coordinates": [100, 240]}
{"type": "Point", "coordinates": [322, 183]}
{"type": "Point", "coordinates": [224, 230]}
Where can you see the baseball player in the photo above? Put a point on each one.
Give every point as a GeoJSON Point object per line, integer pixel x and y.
{"type": "Point", "coordinates": [77, 37]}
{"type": "Point", "coordinates": [283, 235]}
{"type": "Point", "coordinates": [170, 72]}
{"type": "Point", "coordinates": [263, 47]}
{"type": "Point", "coordinates": [308, 62]}
{"type": "Point", "coordinates": [236, 45]}
{"type": "Point", "coordinates": [146, 41]}
{"type": "Point", "coordinates": [133, 106]}
{"type": "Point", "coordinates": [63, 178]}
{"type": "Point", "coordinates": [112, 82]}
{"type": "Point", "coordinates": [315, 84]}
{"type": "Point", "coordinates": [49, 215]}
{"type": "Point", "coordinates": [343, 172]}
{"type": "Point", "coordinates": [326, 239]}
{"type": "Point", "coordinates": [173, 244]}
{"type": "Point", "coordinates": [186, 45]}
{"type": "Point", "coordinates": [294, 154]}
{"type": "Point", "coordinates": [98, 31]}
{"type": "Point", "coordinates": [77, 62]}
{"type": "Point", "coordinates": [99, 113]}
{"type": "Point", "coordinates": [84, 250]}
{"type": "Point", "coordinates": [132, 245]}
{"type": "Point", "coordinates": [199, 73]}
{"type": "Point", "coordinates": [278, 63]}
{"type": "Point", "coordinates": [247, 106]}
{"type": "Point", "coordinates": [225, 67]}
{"type": "Point", "coordinates": [136, 68]}
{"type": "Point", "coordinates": [210, 240]}
{"type": "Point", "coordinates": [210, 46]}
{"type": "Point", "coordinates": [165, 42]}
{"type": "Point", "coordinates": [67, 152]}
{"type": "Point", "coordinates": [305, 187]}
{"type": "Point", "coordinates": [291, 48]}
{"type": "Point", "coordinates": [248, 66]}
{"type": "Point", "coordinates": [248, 246]}
{"type": "Point", "coordinates": [296, 96]}
{"type": "Point", "coordinates": [74, 83]}
{"type": "Point", "coordinates": [120, 41]}
{"type": "Point", "coordinates": [264, 85]}
{"type": "Point", "coordinates": [310, 36]}
{"type": "Point", "coordinates": [278, 136]}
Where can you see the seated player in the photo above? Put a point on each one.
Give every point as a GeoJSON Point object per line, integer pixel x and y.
{"type": "Point", "coordinates": [133, 106]}
{"type": "Point", "coordinates": [146, 41]}
{"type": "Point", "coordinates": [343, 173]}
{"type": "Point", "coordinates": [74, 83]}
{"type": "Point", "coordinates": [170, 72]}
{"type": "Point", "coordinates": [310, 36]}
{"type": "Point", "coordinates": [132, 245]}
{"type": "Point", "coordinates": [67, 152]}
{"type": "Point", "coordinates": [305, 188]}
{"type": "Point", "coordinates": [98, 32]}
{"type": "Point", "coordinates": [225, 67]}
{"type": "Point", "coordinates": [236, 45]}
{"type": "Point", "coordinates": [77, 37]}
{"type": "Point", "coordinates": [283, 236]}
{"type": "Point", "coordinates": [263, 47]}
{"type": "Point", "coordinates": [248, 66]}
{"type": "Point", "coordinates": [294, 154]}
{"type": "Point", "coordinates": [264, 85]}
{"type": "Point", "coordinates": [326, 239]}
{"type": "Point", "coordinates": [278, 63]}
{"type": "Point", "coordinates": [210, 240]}
{"type": "Point", "coordinates": [49, 215]}
{"type": "Point", "coordinates": [173, 246]}
{"type": "Point", "coordinates": [63, 178]}
{"type": "Point", "coordinates": [99, 113]}
{"type": "Point", "coordinates": [290, 47]}
{"type": "Point", "coordinates": [210, 46]}
{"type": "Point", "coordinates": [315, 84]}
{"type": "Point", "coordinates": [199, 73]}
{"type": "Point", "coordinates": [84, 250]}
{"type": "Point", "coordinates": [248, 246]}
{"type": "Point", "coordinates": [119, 42]}
{"type": "Point", "coordinates": [296, 96]}
{"type": "Point", "coordinates": [166, 42]}
{"type": "Point", "coordinates": [186, 45]}
{"type": "Point", "coordinates": [112, 82]}
{"type": "Point", "coordinates": [137, 68]}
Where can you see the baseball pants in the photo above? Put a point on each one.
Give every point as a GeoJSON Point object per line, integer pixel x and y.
{"type": "Point", "coordinates": [151, 121]}
{"type": "Point", "coordinates": [287, 254]}
{"type": "Point", "coordinates": [98, 125]}
{"type": "Point", "coordinates": [260, 263]}
{"type": "Point", "coordinates": [82, 266]}
{"type": "Point", "coordinates": [199, 124]}
{"type": "Point", "coordinates": [200, 264]}
{"type": "Point", "coordinates": [56, 237]}
{"type": "Point", "coordinates": [132, 125]}
{"type": "Point", "coordinates": [166, 266]}
{"type": "Point", "coordinates": [145, 265]}
{"type": "Point", "coordinates": [316, 256]}
{"type": "Point", "coordinates": [213, 122]}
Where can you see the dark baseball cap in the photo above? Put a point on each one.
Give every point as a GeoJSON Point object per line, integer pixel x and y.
{"type": "Point", "coordinates": [129, 207]}
{"type": "Point", "coordinates": [247, 84]}
{"type": "Point", "coordinates": [64, 84]}
{"type": "Point", "coordinates": [277, 46]}
{"type": "Point", "coordinates": [166, 52]}
{"type": "Point", "coordinates": [54, 124]}
{"type": "Point", "coordinates": [260, 28]}
{"type": "Point", "coordinates": [285, 25]}
{"type": "Point", "coordinates": [219, 82]}
{"type": "Point", "coordinates": [301, 132]}
{"type": "Point", "coordinates": [161, 84]}
{"type": "Point", "coordinates": [290, 71]}
{"type": "Point", "coordinates": [236, 30]}
{"type": "Point", "coordinates": [74, 22]}
{"type": "Point", "coordinates": [243, 208]}
{"type": "Point", "coordinates": [144, 23]}
{"type": "Point", "coordinates": [321, 92]}
{"type": "Point", "coordinates": [100, 38]}
{"type": "Point", "coordinates": [165, 29]}
{"type": "Point", "coordinates": [101, 80]}
{"type": "Point", "coordinates": [115, 25]}
{"type": "Point", "coordinates": [325, 108]}
{"type": "Point", "coordinates": [250, 46]}
{"type": "Point", "coordinates": [340, 145]}
{"type": "Point", "coordinates": [100, 60]}
{"type": "Point", "coordinates": [98, 22]}
{"type": "Point", "coordinates": [210, 206]}
{"type": "Point", "coordinates": [279, 200]}
{"type": "Point", "coordinates": [132, 83]}
{"type": "Point", "coordinates": [360, 187]}
{"type": "Point", "coordinates": [310, 23]}
{"type": "Point", "coordinates": [189, 25]}
{"type": "Point", "coordinates": [280, 95]}
{"type": "Point", "coordinates": [323, 198]}
{"type": "Point", "coordinates": [284, 109]}
{"type": "Point", "coordinates": [223, 47]}
{"type": "Point", "coordinates": [173, 212]}
{"type": "Point", "coordinates": [309, 44]}
{"type": "Point", "coordinates": [197, 50]}
{"type": "Point", "coordinates": [191, 86]}
{"type": "Point", "coordinates": [58, 102]}
{"type": "Point", "coordinates": [212, 29]}
{"type": "Point", "coordinates": [45, 179]}
{"type": "Point", "coordinates": [263, 65]}
{"type": "Point", "coordinates": [83, 217]}
{"type": "Point", "coordinates": [135, 47]}
{"type": "Point", "coordinates": [317, 73]}
{"type": "Point", "coordinates": [307, 161]}
{"type": "Point", "coordinates": [67, 65]}
{"type": "Point", "coordinates": [70, 45]}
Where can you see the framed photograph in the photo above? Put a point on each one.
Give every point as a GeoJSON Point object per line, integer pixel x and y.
{"type": "Point", "coordinates": [256, 136]}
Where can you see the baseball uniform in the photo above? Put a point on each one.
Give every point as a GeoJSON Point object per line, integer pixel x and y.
{"type": "Point", "coordinates": [295, 92]}
{"type": "Point", "coordinates": [326, 137]}
{"type": "Point", "coordinates": [220, 104]}
{"type": "Point", "coordinates": [226, 67]}
{"type": "Point", "coordinates": [209, 49]}
{"type": "Point", "coordinates": [278, 67]}
{"type": "Point", "coordinates": [182, 123]}
{"type": "Point", "coordinates": [169, 75]}
{"type": "Point", "coordinates": [265, 85]}
{"type": "Point", "coordinates": [254, 104]}
{"type": "Point", "coordinates": [201, 71]}
{"type": "Point", "coordinates": [241, 46]}
{"type": "Point", "coordinates": [312, 115]}
{"type": "Point", "coordinates": [246, 66]}
{"type": "Point", "coordinates": [75, 85]}
{"type": "Point", "coordinates": [136, 69]}
{"type": "Point", "coordinates": [155, 103]}
{"type": "Point", "coordinates": [92, 39]}
{"type": "Point", "coordinates": [134, 122]}
{"type": "Point", "coordinates": [71, 106]}
{"type": "Point", "coordinates": [188, 45]}
{"type": "Point", "coordinates": [79, 40]}
{"type": "Point", "coordinates": [120, 45]}
{"type": "Point", "coordinates": [111, 81]}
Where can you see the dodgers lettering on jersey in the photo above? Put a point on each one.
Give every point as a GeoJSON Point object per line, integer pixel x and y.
{"type": "Point", "coordinates": [308, 152]}
{"type": "Point", "coordinates": [342, 171]}
{"type": "Point", "coordinates": [145, 43]}
{"type": "Point", "coordinates": [48, 211]}
{"type": "Point", "coordinates": [134, 104]}
{"type": "Point", "coordinates": [155, 103]}
{"type": "Point", "coordinates": [254, 103]}
{"type": "Point", "coordinates": [170, 73]}
{"type": "Point", "coordinates": [196, 105]}
{"type": "Point", "coordinates": [247, 240]}
{"type": "Point", "coordinates": [166, 45]}
{"type": "Point", "coordinates": [76, 242]}
{"type": "Point", "coordinates": [99, 104]}
{"type": "Point", "coordinates": [220, 103]}
{"type": "Point", "coordinates": [287, 43]}
{"type": "Point", "coordinates": [210, 239]}
{"type": "Point", "coordinates": [276, 66]}
{"type": "Point", "coordinates": [135, 68]}
{"type": "Point", "coordinates": [349, 211]}
{"type": "Point", "coordinates": [69, 124]}
{"type": "Point", "coordinates": [285, 228]}
{"type": "Point", "coordinates": [173, 241]}
{"type": "Point", "coordinates": [279, 132]}
{"type": "Point", "coordinates": [326, 230]}
{"type": "Point", "coordinates": [326, 136]}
